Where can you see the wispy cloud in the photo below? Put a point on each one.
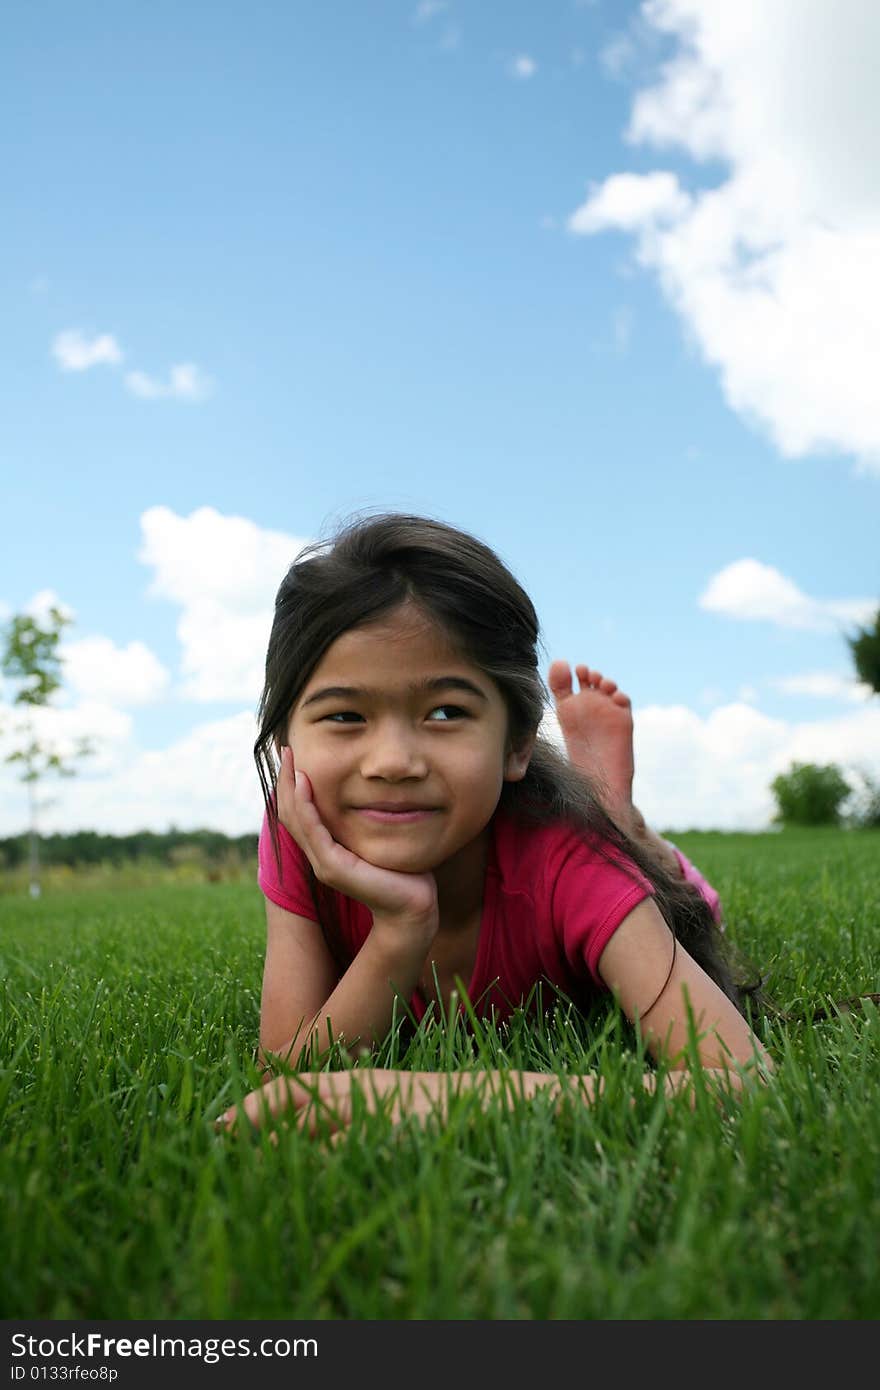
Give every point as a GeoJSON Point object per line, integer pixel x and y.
{"type": "Point", "coordinates": [74, 352]}
{"type": "Point", "coordinates": [522, 67]}
{"type": "Point", "coordinates": [617, 55]}
{"type": "Point", "coordinates": [823, 685]}
{"type": "Point", "coordinates": [186, 382]}
{"type": "Point", "coordinates": [427, 10]}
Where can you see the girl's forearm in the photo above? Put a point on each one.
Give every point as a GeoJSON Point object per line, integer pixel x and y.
{"type": "Point", "coordinates": [424, 1092]}
{"type": "Point", "coordinates": [360, 1010]}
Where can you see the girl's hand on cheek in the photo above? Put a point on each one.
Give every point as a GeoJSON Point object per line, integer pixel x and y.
{"type": "Point", "coordinates": [286, 800]}
{"type": "Point", "coordinates": [388, 893]}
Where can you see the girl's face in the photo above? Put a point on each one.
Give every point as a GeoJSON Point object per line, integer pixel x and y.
{"type": "Point", "coordinates": [442, 749]}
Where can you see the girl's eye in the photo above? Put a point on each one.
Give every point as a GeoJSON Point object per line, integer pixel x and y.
{"type": "Point", "coordinates": [458, 713]}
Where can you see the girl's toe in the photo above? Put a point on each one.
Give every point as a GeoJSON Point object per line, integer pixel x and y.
{"type": "Point", "coordinates": [559, 679]}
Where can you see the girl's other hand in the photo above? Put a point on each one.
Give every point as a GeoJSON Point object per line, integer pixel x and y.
{"type": "Point", "coordinates": [324, 1101]}
{"type": "Point", "coordinates": [388, 893]}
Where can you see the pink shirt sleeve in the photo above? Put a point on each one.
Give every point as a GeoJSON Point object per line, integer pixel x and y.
{"type": "Point", "coordinates": [590, 898]}
{"type": "Point", "coordinates": [290, 890]}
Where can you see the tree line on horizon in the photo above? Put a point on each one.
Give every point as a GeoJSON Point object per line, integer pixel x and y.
{"type": "Point", "coordinates": [88, 848]}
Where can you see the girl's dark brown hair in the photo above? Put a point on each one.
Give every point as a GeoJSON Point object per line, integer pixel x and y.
{"type": "Point", "coordinates": [373, 565]}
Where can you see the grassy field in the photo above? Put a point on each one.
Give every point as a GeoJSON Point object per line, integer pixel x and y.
{"type": "Point", "coordinates": [128, 1023]}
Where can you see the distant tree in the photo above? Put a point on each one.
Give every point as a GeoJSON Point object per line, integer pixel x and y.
{"type": "Point", "coordinates": [810, 794]}
{"type": "Point", "coordinates": [31, 658]}
{"type": "Point", "coordinates": [865, 648]}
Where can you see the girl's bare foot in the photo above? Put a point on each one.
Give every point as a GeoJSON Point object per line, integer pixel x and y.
{"type": "Point", "coordinates": [597, 725]}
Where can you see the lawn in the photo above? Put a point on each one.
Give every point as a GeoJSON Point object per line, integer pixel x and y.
{"type": "Point", "coordinates": [129, 1019]}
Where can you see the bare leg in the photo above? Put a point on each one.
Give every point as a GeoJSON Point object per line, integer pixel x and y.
{"type": "Point", "coordinates": [597, 725]}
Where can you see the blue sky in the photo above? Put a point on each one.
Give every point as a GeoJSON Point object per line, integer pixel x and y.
{"type": "Point", "coordinates": [594, 281]}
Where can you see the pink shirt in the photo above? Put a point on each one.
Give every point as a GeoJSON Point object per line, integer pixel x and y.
{"type": "Point", "coordinates": [551, 904]}
{"type": "Point", "coordinates": [692, 874]}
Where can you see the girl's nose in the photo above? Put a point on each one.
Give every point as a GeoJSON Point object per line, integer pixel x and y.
{"type": "Point", "coordinates": [393, 754]}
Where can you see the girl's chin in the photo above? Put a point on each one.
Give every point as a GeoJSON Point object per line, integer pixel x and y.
{"type": "Point", "coordinates": [398, 857]}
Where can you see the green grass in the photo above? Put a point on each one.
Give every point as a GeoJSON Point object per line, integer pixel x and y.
{"type": "Point", "coordinates": [128, 1024]}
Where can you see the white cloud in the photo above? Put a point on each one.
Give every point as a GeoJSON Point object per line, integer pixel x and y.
{"type": "Point", "coordinates": [775, 270]}
{"type": "Point", "coordinates": [852, 740]}
{"type": "Point", "coordinates": [224, 572]}
{"type": "Point", "coordinates": [824, 685]}
{"type": "Point", "coordinates": [186, 382]}
{"type": "Point", "coordinates": [207, 779]}
{"type": "Point", "coordinates": [706, 772]}
{"type": "Point", "coordinates": [97, 670]}
{"type": "Point", "coordinates": [631, 202]}
{"type": "Point", "coordinates": [75, 353]}
{"type": "Point", "coordinates": [748, 589]}
{"type": "Point", "coordinates": [522, 67]}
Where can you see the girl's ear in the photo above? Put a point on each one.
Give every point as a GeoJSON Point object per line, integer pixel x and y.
{"type": "Point", "coordinates": [516, 764]}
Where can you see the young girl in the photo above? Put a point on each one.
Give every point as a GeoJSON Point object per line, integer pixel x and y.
{"type": "Point", "coordinates": [419, 828]}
